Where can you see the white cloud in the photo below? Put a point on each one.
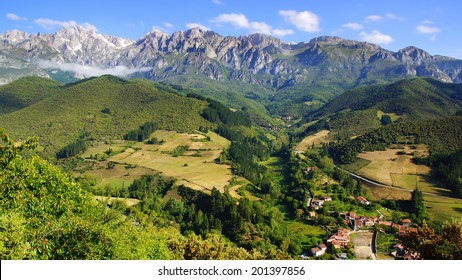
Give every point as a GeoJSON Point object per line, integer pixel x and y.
{"type": "Point", "coordinates": [237, 20]}
{"type": "Point", "coordinates": [51, 23]}
{"type": "Point", "coordinates": [282, 32]}
{"type": "Point", "coordinates": [218, 2]}
{"type": "Point", "coordinates": [394, 17]}
{"type": "Point", "coordinates": [158, 28]}
{"type": "Point", "coordinates": [12, 16]}
{"type": "Point", "coordinates": [241, 21]}
{"type": "Point", "coordinates": [429, 30]}
{"type": "Point", "coordinates": [194, 25]}
{"type": "Point", "coordinates": [353, 25]}
{"type": "Point", "coordinates": [376, 37]}
{"type": "Point", "coordinates": [91, 71]}
{"type": "Point", "coordinates": [374, 18]}
{"type": "Point", "coordinates": [306, 20]}
{"type": "Point", "coordinates": [168, 24]}
{"type": "Point", "coordinates": [425, 29]}
{"type": "Point", "coordinates": [260, 27]}
{"type": "Point", "coordinates": [427, 21]}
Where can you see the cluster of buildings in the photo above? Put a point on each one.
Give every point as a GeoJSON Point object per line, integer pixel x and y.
{"type": "Point", "coordinates": [317, 203]}
{"type": "Point", "coordinates": [402, 228]}
{"type": "Point", "coordinates": [339, 240]}
{"type": "Point", "coordinates": [356, 222]}
{"type": "Point", "coordinates": [400, 252]}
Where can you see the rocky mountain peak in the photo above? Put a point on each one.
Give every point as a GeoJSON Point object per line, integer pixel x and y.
{"type": "Point", "coordinates": [14, 37]}
{"type": "Point", "coordinates": [256, 58]}
{"type": "Point", "coordinates": [326, 40]}
{"type": "Point", "coordinates": [414, 54]}
{"type": "Point", "coordinates": [262, 40]}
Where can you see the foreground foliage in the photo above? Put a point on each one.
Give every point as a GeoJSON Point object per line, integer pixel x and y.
{"type": "Point", "coordinates": [432, 245]}
{"type": "Point", "coordinates": [45, 214]}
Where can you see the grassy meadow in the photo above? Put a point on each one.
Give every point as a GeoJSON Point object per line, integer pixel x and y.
{"type": "Point", "coordinates": [394, 167]}
{"type": "Point", "coordinates": [316, 139]}
{"type": "Point", "coordinates": [195, 167]}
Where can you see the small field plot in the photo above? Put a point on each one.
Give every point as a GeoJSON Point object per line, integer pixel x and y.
{"type": "Point", "coordinates": [128, 201]}
{"type": "Point", "coordinates": [316, 139]}
{"type": "Point", "coordinates": [195, 167]}
{"type": "Point", "coordinates": [307, 234]}
{"type": "Point", "coordinates": [443, 208]}
{"type": "Point", "coordinates": [363, 245]}
{"type": "Point", "coordinates": [356, 165]}
{"type": "Point", "coordinates": [392, 166]}
{"type": "Point", "coordinates": [120, 176]}
{"type": "Point", "coordinates": [100, 150]}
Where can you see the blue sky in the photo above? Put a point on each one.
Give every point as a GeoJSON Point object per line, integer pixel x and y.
{"type": "Point", "coordinates": [393, 24]}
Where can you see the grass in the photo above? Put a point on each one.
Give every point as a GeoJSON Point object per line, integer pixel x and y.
{"type": "Point", "coordinates": [308, 235]}
{"type": "Point", "coordinates": [128, 201]}
{"type": "Point", "coordinates": [394, 117]}
{"type": "Point", "coordinates": [388, 164]}
{"type": "Point", "coordinates": [404, 180]}
{"type": "Point", "coordinates": [316, 139]}
{"type": "Point", "coordinates": [443, 208]}
{"type": "Point", "coordinates": [356, 165]}
{"type": "Point", "coordinates": [196, 172]}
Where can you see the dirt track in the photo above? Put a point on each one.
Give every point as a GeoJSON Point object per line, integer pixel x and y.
{"type": "Point", "coordinates": [363, 245]}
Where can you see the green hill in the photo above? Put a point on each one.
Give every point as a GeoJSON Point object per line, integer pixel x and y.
{"type": "Point", "coordinates": [412, 99]}
{"type": "Point", "coordinates": [103, 108]}
{"type": "Point", "coordinates": [360, 109]}
{"type": "Point", "coordinates": [26, 91]}
{"type": "Point", "coordinates": [441, 135]}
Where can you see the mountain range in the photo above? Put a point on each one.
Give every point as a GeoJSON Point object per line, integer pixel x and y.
{"type": "Point", "coordinates": [324, 64]}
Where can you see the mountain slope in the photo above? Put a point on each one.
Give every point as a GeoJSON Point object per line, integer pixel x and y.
{"type": "Point", "coordinates": [360, 109]}
{"type": "Point", "coordinates": [415, 98]}
{"type": "Point", "coordinates": [106, 107]}
{"type": "Point", "coordinates": [301, 72]}
{"type": "Point", "coordinates": [26, 91]}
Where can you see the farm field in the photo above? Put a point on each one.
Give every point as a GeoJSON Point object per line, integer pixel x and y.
{"type": "Point", "coordinates": [394, 167]}
{"type": "Point", "coordinates": [443, 208]}
{"type": "Point", "coordinates": [119, 177]}
{"type": "Point", "coordinates": [398, 170]}
{"type": "Point", "coordinates": [128, 201]}
{"type": "Point", "coordinates": [316, 139]}
{"type": "Point", "coordinates": [195, 167]}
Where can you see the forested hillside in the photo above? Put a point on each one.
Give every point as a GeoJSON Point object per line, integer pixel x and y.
{"type": "Point", "coordinates": [26, 91]}
{"type": "Point", "coordinates": [45, 214]}
{"type": "Point", "coordinates": [441, 135]}
{"type": "Point", "coordinates": [103, 108]}
{"type": "Point", "coordinates": [356, 111]}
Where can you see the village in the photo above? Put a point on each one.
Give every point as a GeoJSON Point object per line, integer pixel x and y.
{"type": "Point", "coordinates": [340, 241]}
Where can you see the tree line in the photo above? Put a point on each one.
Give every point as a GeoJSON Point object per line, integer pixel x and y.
{"type": "Point", "coordinates": [142, 133]}
{"type": "Point", "coordinates": [74, 148]}
{"type": "Point", "coordinates": [441, 135]}
{"type": "Point", "coordinates": [216, 112]}
{"type": "Point", "coordinates": [251, 225]}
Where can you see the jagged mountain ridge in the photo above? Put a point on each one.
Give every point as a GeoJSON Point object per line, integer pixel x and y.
{"type": "Point", "coordinates": [256, 58]}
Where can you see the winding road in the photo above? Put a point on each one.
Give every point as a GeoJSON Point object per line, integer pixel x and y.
{"type": "Point", "coordinates": [390, 187]}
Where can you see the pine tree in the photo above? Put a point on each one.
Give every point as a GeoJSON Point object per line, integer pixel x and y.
{"type": "Point", "coordinates": [418, 205]}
